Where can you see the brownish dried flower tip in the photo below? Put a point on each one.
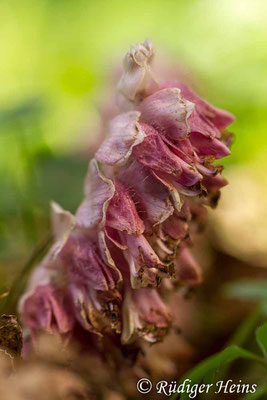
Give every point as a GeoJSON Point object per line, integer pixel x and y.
{"type": "Point", "coordinates": [10, 336]}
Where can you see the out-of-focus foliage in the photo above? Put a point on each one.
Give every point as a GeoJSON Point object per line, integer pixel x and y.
{"type": "Point", "coordinates": [262, 338]}
{"type": "Point", "coordinates": [207, 369]}
{"type": "Point", "coordinates": [238, 225]}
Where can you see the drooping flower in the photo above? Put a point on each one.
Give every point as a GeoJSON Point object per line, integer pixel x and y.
{"type": "Point", "coordinates": [43, 306]}
{"type": "Point", "coordinates": [137, 79]}
{"type": "Point", "coordinates": [93, 281]}
{"type": "Point", "coordinates": [145, 315]}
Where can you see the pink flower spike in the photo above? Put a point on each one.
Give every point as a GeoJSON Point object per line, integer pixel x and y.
{"type": "Point", "coordinates": [145, 198]}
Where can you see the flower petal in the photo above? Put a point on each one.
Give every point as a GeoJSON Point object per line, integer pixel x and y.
{"type": "Point", "coordinates": [62, 224]}
{"type": "Point", "coordinates": [137, 78]}
{"type": "Point", "coordinates": [84, 264]}
{"type": "Point", "coordinates": [140, 258]}
{"type": "Point", "coordinates": [167, 112]}
{"type": "Point", "coordinates": [175, 227]}
{"type": "Point", "coordinates": [122, 214]}
{"type": "Point", "coordinates": [43, 309]}
{"type": "Point", "coordinates": [206, 118]}
{"type": "Point", "coordinates": [124, 133]}
{"type": "Point", "coordinates": [106, 256]}
{"type": "Point", "coordinates": [150, 196]}
{"type": "Point", "coordinates": [155, 154]}
{"type": "Point", "coordinates": [199, 123]}
{"type": "Point", "coordinates": [220, 118]}
{"type": "Point", "coordinates": [141, 250]}
{"type": "Point", "coordinates": [176, 198]}
{"type": "Point", "coordinates": [99, 190]}
{"type": "Point", "coordinates": [207, 146]}
{"type": "Point", "coordinates": [214, 183]}
{"type": "Point", "coordinates": [95, 311]}
{"type": "Point", "coordinates": [144, 315]}
{"type": "Point", "coordinates": [187, 269]}
{"type": "Point", "coordinates": [114, 236]}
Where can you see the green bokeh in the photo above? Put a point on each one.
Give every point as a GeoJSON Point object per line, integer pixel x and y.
{"type": "Point", "coordinates": [55, 56]}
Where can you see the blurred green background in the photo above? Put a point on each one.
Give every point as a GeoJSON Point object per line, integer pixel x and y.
{"type": "Point", "coordinates": [55, 59]}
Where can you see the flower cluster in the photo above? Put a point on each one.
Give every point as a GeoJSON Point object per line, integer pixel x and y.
{"type": "Point", "coordinates": [145, 197]}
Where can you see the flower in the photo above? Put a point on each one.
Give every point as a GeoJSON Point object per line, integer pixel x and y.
{"type": "Point", "coordinates": [43, 306]}
{"type": "Point", "coordinates": [93, 281]}
{"type": "Point", "coordinates": [145, 315]}
{"type": "Point", "coordinates": [137, 78]}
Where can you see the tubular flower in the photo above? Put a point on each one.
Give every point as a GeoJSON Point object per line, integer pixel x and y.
{"type": "Point", "coordinates": [44, 306]}
{"type": "Point", "coordinates": [137, 79]}
{"type": "Point", "coordinates": [92, 283]}
{"type": "Point", "coordinates": [145, 197]}
{"type": "Point", "coordinates": [145, 315]}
